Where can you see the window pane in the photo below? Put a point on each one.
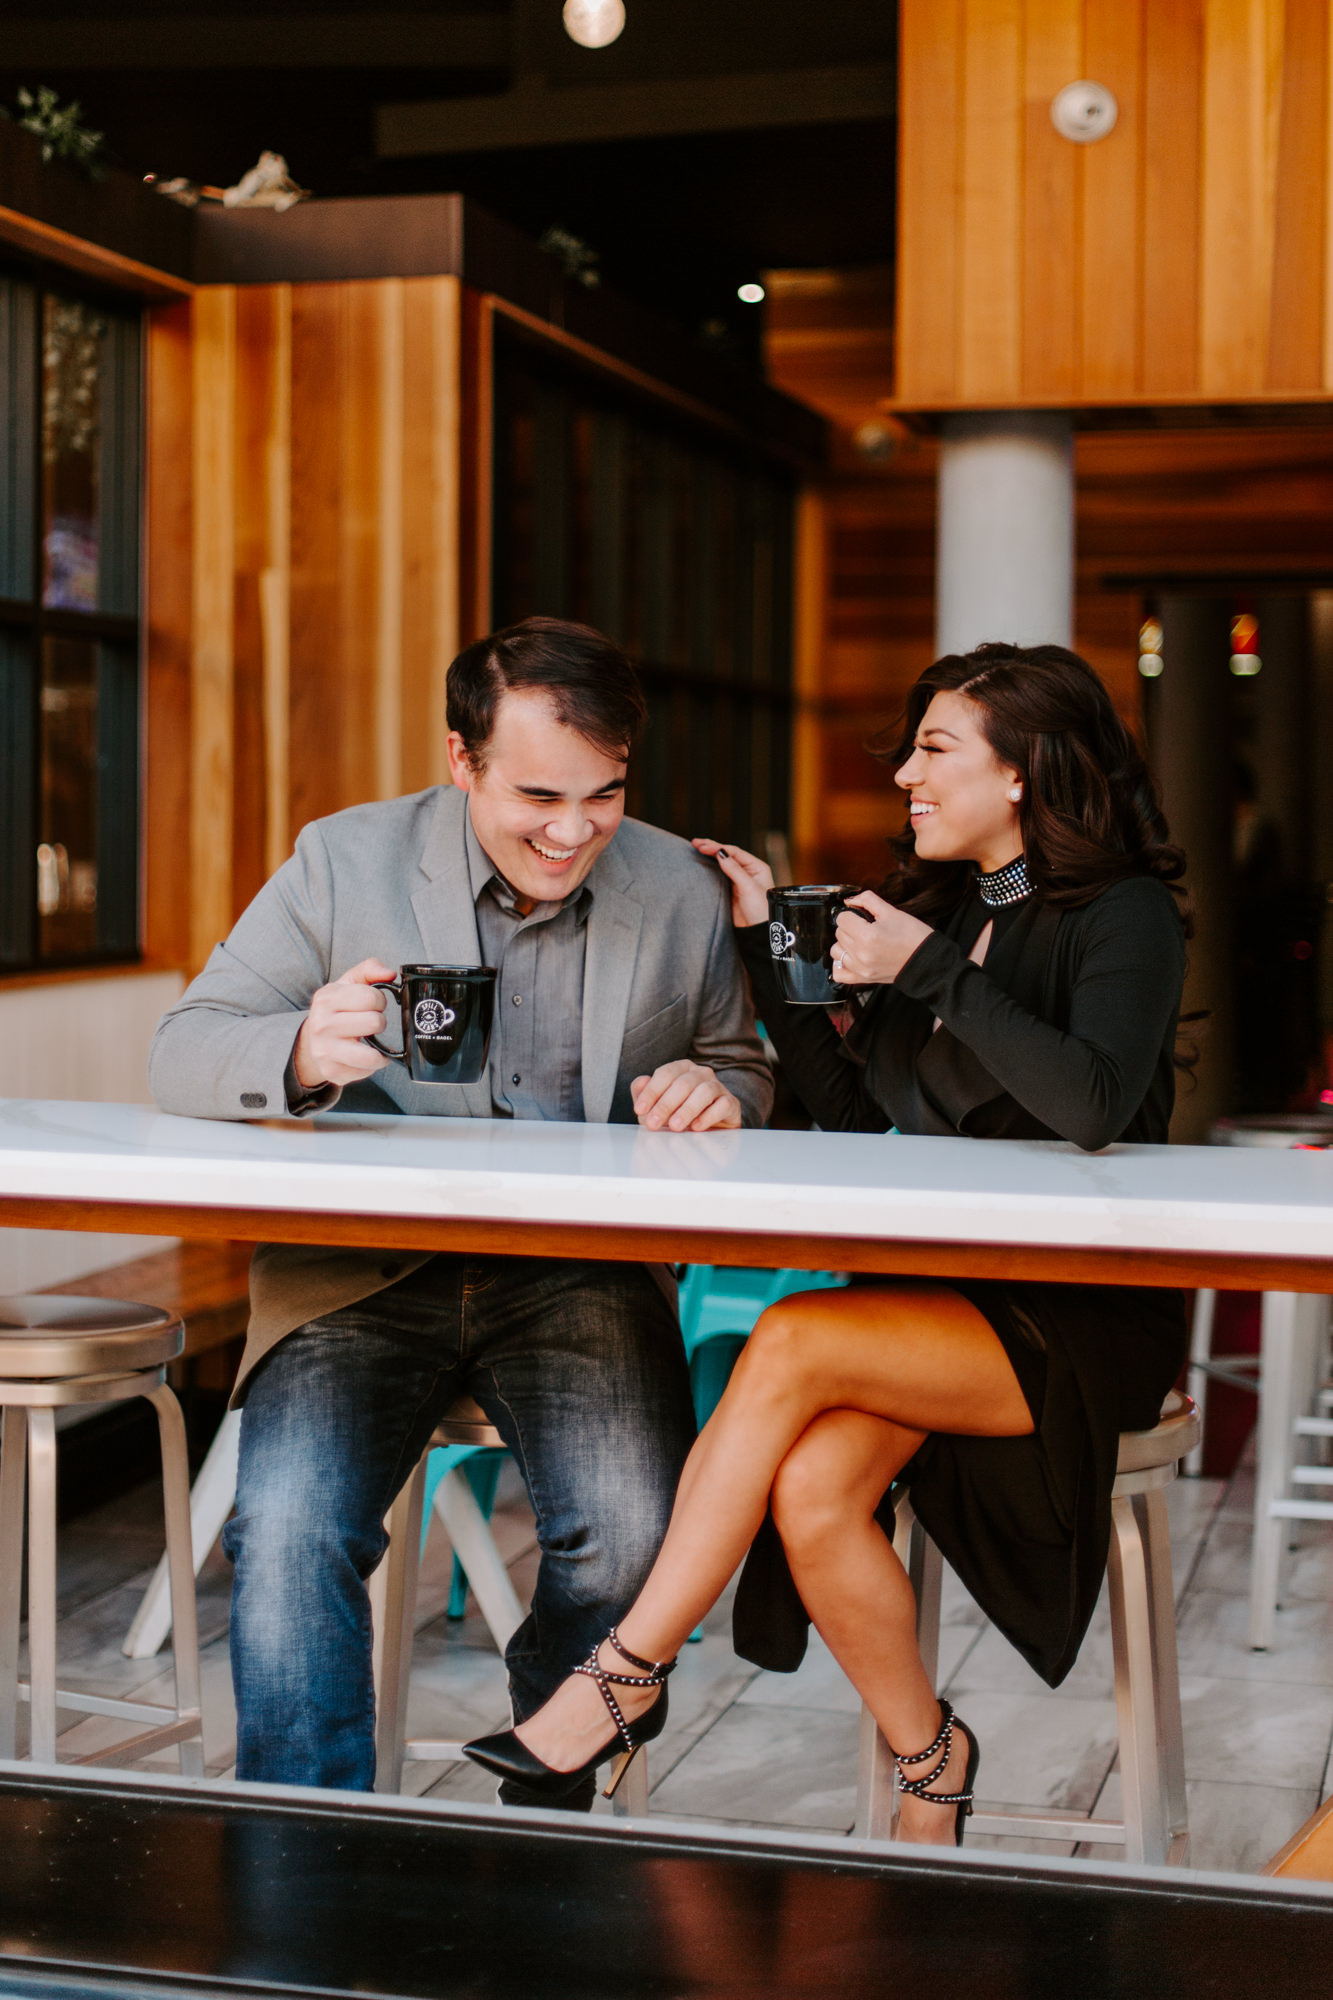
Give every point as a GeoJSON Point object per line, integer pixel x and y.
{"type": "Point", "coordinates": [18, 908]}
{"type": "Point", "coordinates": [18, 372]}
{"type": "Point", "coordinates": [66, 857]}
{"type": "Point", "coordinates": [72, 341]}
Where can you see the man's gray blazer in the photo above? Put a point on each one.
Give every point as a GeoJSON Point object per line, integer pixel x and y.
{"type": "Point", "coordinates": [662, 980]}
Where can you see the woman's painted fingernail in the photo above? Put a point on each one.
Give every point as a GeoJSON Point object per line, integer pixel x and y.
{"type": "Point", "coordinates": [723, 855]}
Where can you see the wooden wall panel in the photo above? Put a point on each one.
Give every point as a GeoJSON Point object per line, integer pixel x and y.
{"type": "Point", "coordinates": [212, 613]}
{"type": "Point", "coordinates": [989, 312]}
{"type": "Point", "coordinates": [169, 515]}
{"type": "Point", "coordinates": [304, 446]}
{"type": "Point", "coordinates": [932, 40]}
{"type": "Point", "coordinates": [1172, 113]}
{"type": "Point", "coordinates": [1300, 246]}
{"type": "Point", "coordinates": [1051, 318]}
{"type": "Point", "coordinates": [1183, 256]}
{"type": "Point", "coordinates": [1110, 261]}
{"type": "Point", "coordinates": [1241, 97]}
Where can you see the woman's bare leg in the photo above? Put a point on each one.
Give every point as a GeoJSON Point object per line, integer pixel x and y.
{"type": "Point", "coordinates": [858, 1594]}
{"type": "Point", "coordinates": [920, 1356]}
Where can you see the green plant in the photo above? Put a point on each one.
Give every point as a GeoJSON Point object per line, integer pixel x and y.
{"type": "Point", "coordinates": [57, 126]}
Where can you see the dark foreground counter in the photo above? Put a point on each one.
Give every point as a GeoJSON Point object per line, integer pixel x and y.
{"type": "Point", "coordinates": [110, 1885]}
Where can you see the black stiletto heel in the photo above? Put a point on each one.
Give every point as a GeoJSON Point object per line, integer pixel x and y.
{"type": "Point", "coordinates": [943, 1743]}
{"type": "Point", "coordinates": [508, 1757]}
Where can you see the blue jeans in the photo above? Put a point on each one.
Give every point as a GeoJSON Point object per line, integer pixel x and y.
{"type": "Point", "coordinates": [581, 1369]}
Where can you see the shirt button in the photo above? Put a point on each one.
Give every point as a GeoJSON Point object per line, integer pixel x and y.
{"type": "Point", "coordinates": [518, 999]}
{"type": "Point", "coordinates": [516, 1078]}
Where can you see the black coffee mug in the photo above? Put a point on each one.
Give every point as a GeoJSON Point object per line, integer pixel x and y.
{"type": "Point", "coordinates": [802, 931]}
{"type": "Point", "coordinates": [447, 1012]}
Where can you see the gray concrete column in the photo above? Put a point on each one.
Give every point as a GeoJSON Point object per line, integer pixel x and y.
{"type": "Point", "coordinates": [1190, 748]}
{"type": "Point", "coordinates": [1005, 528]}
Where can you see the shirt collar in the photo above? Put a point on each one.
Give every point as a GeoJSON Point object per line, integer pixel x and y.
{"type": "Point", "coordinates": [483, 874]}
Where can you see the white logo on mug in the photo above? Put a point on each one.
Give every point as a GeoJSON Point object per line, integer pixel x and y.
{"type": "Point", "coordinates": [430, 1016]}
{"type": "Point", "coordinates": [780, 939]}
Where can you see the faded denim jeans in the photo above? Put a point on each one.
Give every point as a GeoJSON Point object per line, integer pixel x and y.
{"type": "Point", "coordinates": [578, 1365]}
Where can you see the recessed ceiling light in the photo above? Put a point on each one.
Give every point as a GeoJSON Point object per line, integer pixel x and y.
{"type": "Point", "coordinates": [594, 23]}
{"type": "Point", "coordinates": [750, 295]}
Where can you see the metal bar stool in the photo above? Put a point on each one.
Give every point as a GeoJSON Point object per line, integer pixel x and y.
{"type": "Point", "coordinates": [1155, 1827]}
{"type": "Point", "coordinates": [57, 1351]}
{"type": "Point", "coordinates": [393, 1601]}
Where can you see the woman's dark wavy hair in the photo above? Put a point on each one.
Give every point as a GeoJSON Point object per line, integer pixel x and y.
{"type": "Point", "coordinates": [1090, 814]}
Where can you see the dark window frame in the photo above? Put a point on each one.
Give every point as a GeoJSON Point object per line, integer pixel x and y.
{"type": "Point", "coordinates": [26, 623]}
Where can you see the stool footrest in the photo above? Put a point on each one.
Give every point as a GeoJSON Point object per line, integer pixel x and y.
{"type": "Point", "coordinates": [1048, 1826]}
{"type": "Point", "coordinates": [421, 1750]}
{"type": "Point", "coordinates": [149, 1739]}
{"type": "Point", "coordinates": [1300, 1510]}
{"type": "Point", "coordinates": [103, 1704]}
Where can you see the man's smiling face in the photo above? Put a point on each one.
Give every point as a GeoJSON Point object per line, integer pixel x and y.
{"type": "Point", "coordinates": [546, 801]}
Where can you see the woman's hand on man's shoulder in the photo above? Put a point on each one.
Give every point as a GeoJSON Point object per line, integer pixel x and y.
{"type": "Point", "coordinates": [750, 879]}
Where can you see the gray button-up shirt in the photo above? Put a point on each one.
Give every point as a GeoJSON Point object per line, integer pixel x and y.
{"type": "Point", "coordinates": [536, 1059]}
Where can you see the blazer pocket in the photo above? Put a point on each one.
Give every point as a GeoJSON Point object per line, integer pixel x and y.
{"type": "Point", "coordinates": [661, 1028]}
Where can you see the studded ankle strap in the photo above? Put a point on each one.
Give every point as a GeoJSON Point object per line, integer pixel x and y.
{"type": "Point", "coordinates": [943, 1744]}
{"type": "Point", "coordinates": [653, 1674]}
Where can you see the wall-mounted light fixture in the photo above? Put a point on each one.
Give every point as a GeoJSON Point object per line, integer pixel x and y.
{"type": "Point", "coordinates": [1245, 661]}
{"type": "Point", "coordinates": [750, 295]}
{"type": "Point", "coordinates": [1084, 111]}
{"type": "Point", "coordinates": [1151, 662]}
{"type": "Point", "coordinates": [593, 23]}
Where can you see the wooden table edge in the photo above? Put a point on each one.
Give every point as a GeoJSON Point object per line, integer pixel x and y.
{"type": "Point", "coordinates": [612, 1243]}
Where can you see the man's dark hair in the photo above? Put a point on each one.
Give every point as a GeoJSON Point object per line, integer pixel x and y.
{"type": "Point", "coordinates": [592, 685]}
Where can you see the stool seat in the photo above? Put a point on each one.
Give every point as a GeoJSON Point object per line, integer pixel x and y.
{"type": "Point", "coordinates": [1175, 1434]}
{"type": "Point", "coordinates": [58, 1349]}
{"type": "Point", "coordinates": [46, 1336]}
{"type": "Point", "coordinates": [465, 1422]}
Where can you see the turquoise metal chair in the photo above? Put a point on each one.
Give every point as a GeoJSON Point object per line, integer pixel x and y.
{"type": "Point", "coordinates": [718, 1310]}
{"type": "Point", "coordinates": [480, 1465]}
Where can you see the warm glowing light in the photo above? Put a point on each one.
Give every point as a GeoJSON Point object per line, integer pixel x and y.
{"type": "Point", "coordinates": [1150, 636]}
{"type": "Point", "coordinates": [750, 295]}
{"type": "Point", "coordinates": [594, 23]}
{"type": "Point", "coordinates": [1151, 665]}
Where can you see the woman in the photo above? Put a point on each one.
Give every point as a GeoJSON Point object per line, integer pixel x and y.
{"type": "Point", "coordinates": [1019, 978]}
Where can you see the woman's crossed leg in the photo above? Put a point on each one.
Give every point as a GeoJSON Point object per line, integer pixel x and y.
{"type": "Point", "coordinates": [831, 1396]}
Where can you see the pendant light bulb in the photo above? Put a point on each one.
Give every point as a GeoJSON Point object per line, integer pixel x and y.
{"type": "Point", "coordinates": [594, 23]}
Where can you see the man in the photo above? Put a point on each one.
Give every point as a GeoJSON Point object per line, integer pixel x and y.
{"type": "Point", "coordinates": [620, 996]}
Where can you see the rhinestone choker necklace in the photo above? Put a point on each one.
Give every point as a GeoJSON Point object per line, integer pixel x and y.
{"type": "Point", "coordinates": [1009, 884]}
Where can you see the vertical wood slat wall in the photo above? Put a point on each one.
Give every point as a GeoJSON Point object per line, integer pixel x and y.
{"type": "Point", "coordinates": [1183, 256]}
{"type": "Point", "coordinates": [303, 481]}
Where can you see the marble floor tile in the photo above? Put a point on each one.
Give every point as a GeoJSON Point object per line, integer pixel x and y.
{"type": "Point", "coordinates": [993, 1663]}
{"type": "Point", "coordinates": [1240, 1731]}
{"type": "Point", "coordinates": [1233, 1828]}
{"type": "Point", "coordinates": [768, 1766]}
{"type": "Point", "coordinates": [818, 1682]}
{"type": "Point", "coordinates": [1213, 1638]}
{"type": "Point", "coordinates": [1036, 1751]}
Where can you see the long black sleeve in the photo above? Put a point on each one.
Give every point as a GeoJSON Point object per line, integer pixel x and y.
{"type": "Point", "coordinates": [1084, 1081]}
{"type": "Point", "coordinates": [831, 1088]}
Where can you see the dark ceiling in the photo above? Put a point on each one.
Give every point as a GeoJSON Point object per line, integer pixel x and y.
{"type": "Point", "coordinates": [679, 208]}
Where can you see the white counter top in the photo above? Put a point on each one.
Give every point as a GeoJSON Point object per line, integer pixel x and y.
{"type": "Point", "coordinates": [1214, 1200]}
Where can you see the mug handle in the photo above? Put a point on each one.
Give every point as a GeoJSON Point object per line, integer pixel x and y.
{"type": "Point", "coordinates": [393, 986]}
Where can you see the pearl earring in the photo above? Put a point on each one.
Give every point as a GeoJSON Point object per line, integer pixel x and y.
{"type": "Point", "coordinates": [1015, 794]}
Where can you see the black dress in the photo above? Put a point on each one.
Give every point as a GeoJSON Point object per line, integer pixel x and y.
{"type": "Point", "coordinates": [1067, 1032]}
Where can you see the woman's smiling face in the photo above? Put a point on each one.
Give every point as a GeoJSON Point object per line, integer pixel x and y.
{"type": "Point", "coordinates": [959, 790]}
